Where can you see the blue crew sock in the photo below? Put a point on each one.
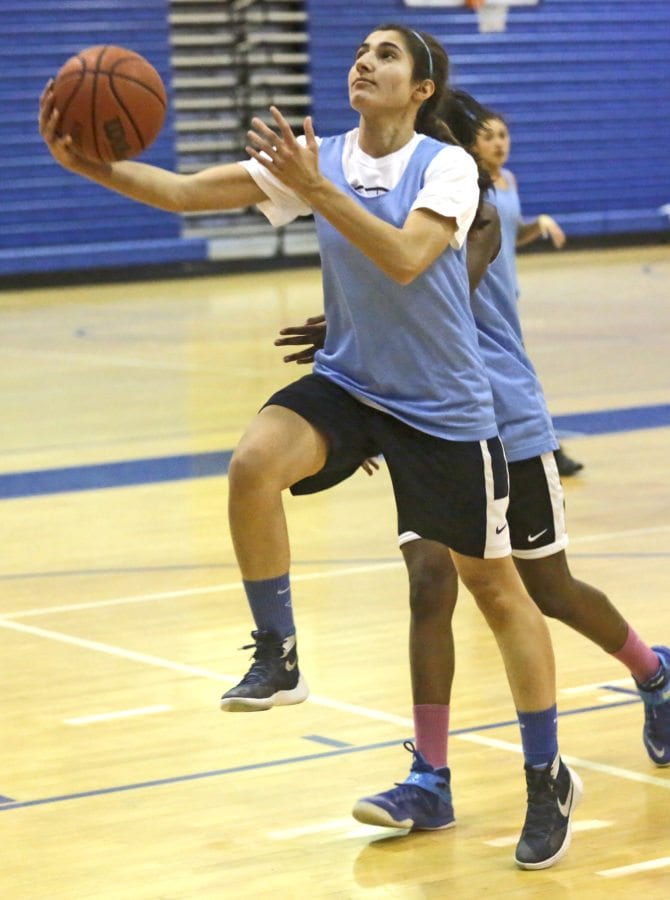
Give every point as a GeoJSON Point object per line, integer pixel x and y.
{"type": "Point", "coordinates": [270, 602]}
{"type": "Point", "coordinates": [539, 737]}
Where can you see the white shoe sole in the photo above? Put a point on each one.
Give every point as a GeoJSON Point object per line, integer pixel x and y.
{"type": "Point", "coordinates": [371, 814]}
{"type": "Point", "coordinates": [282, 698]}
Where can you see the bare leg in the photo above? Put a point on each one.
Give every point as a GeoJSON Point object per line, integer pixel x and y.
{"type": "Point", "coordinates": [278, 448]}
{"type": "Point", "coordinates": [577, 604]}
{"type": "Point", "coordinates": [518, 627]}
{"type": "Point", "coordinates": [433, 593]}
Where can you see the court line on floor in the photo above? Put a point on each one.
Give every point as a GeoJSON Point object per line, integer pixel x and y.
{"type": "Point", "coordinates": [188, 592]}
{"type": "Point", "coordinates": [577, 761]}
{"type": "Point", "coordinates": [365, 712]}
{"type": "Point", "coordinates": [295, 578]}
{"type": "Point", "coordinates": [465, 733]}
{"type": "Point", "coordinates": [119, 714]}
{"type": "Point", "coordinates": [633, 869]}
{"type": "Point", "coordinates": [187, 669]}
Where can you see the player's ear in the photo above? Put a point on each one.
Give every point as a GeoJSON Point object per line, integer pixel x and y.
{"type": "Point", "coordinates": [424, 90]}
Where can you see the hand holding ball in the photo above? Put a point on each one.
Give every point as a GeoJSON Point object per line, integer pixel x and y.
{"type": "Point", "coordinates": [111, 101]}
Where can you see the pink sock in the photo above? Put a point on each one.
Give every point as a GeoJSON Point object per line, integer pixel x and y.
{"type": "Point", "coordinates": [431, 727]}
{"type": "Point", "coordinates": [638, 657]}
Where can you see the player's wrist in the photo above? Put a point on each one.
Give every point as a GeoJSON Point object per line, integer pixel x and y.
{"type": "Point", "coordinates": [543, 223]}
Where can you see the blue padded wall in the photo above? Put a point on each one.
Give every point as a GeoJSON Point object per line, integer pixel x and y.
{"type": "Point", "coordinates": [585, 87]}
{"type": "Point", "coordinates": [52, 220]}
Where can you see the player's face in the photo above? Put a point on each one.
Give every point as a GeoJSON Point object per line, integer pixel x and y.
{"type": "Point", "coordinates": [381, 76]}
{"type": "Point", "coordinates": [492, 144]}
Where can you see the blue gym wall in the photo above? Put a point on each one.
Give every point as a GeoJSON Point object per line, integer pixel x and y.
{"type": "Point", "coordinates": [52, 220]}
{"type": "Point", "coordinates": [584, 85]}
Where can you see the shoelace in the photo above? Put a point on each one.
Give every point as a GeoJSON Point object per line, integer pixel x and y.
{"type": "Point", "coordinates": [416, 795]}
{"type": "Point", "coordinates": [542, 807]}
{"type": "Point", "coordinates": [266, 653]}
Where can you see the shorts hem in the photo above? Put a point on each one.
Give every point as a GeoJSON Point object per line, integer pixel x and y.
{"type": "Point", "coordinates": [542, 552]}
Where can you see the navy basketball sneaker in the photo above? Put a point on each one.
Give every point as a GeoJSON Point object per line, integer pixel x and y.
{"type": "Point", "coordinates": [273, 679]}
{"type": "Point", "coordinates": [422, 802]}
{"type": "Point", "coordinates": [655, 695]}
{"type": "Point", "coordinates": [553, 793]}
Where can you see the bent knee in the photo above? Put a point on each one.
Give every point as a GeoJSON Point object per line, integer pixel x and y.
{"type": "Point", "coordinates": [551, 603]}
{"type": "Point", "coordinates": [250, 462]}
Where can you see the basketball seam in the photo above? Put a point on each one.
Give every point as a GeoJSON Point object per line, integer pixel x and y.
{"type": "Point", "coordinates": [80, 75]}
{"type": "Point", "coordinates": [130, 78]}
{"type": "Point", "coordinates": [128, 115]}
{"type": "Point", "coordinates": [93, 95]}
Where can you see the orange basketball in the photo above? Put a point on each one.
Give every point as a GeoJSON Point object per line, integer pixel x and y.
{"type": "Point", "coordinates": [112, 102]}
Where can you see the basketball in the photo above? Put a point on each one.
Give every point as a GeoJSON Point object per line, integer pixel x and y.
{"type": "Point", "coordinates": [111, 101]}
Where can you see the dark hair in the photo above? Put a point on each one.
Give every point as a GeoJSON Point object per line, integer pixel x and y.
{"type": "Point", "coordinates": [465, 116]}
{"type": "Point", "coordinates": [449, 116]}
{"type": "Point", "coordinates": [430, 61]}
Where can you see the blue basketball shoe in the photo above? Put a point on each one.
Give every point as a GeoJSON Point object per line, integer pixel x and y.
{"type": "Point", "coordinates": [553, 793]}
{"type": "Point", "coordinates": [422, 802]}
{"type": "Point", "coordinates": [655, 695]}
{"type": "Point", "coordinates": [273, 679]}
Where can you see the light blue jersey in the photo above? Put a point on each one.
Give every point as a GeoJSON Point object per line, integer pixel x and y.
{"type": "Point", "coordinates": [409, 350]}
{"type": "Point", "coordinates": [523, 419]}
{"type": "Point", "coordinates": [502, 271]}
{"type": "Point", "coordinates": [522, 416]}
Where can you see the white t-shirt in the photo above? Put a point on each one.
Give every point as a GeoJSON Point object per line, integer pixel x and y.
{"type": "Point", "coordinates": [449, 186]}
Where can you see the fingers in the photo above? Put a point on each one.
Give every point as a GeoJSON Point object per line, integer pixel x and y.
{"type": "Point", "coordinates": [48, 113]}
{"type": "Point", "coordinates": [302, 357]}
{"type": "Point", "coordinates": [293, 341]}
{"type": "Point", "coordinates": [307, 331]}
{"type": "Point", "coordinates": [48, 90]}
{"type": "Point", "coordinates": [310, 136]}
{"type": "Point", "coordinates": [284, 128]}
{"type": "Point", "coordinates": [264, 140]}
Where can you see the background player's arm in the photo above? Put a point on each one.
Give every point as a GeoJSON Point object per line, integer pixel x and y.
{"type": "Point", "coordinates": [483, 247]}
{"type": "Point", "coordinates": [542, 227]}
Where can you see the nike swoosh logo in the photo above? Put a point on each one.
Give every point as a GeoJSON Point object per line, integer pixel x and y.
{"type": "Point", "coordinates": [499, 529]}
{"type": "Point", "coordinates": [290, 666]}
{"type": "Point", "coordinates": [564, 808]}
{"type": "Point", "coordinates": [286, 590]}
{"type": "Point", "coordinates": [534, 537]}
{"type": "Point", "coordinates": [658, 753]}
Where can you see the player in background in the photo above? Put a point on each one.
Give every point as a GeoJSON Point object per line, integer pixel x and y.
{"type": "Point", "coordinates": [393, 202]}
{"type": "Point", "coordinates": [492, 148]}
{"type": "Point", "coordinates": [538, 535]}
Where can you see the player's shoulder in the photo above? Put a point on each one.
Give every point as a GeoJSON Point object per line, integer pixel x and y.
{"type": "Point", "coordinates": [453, 159]}
{"type": "Point", "coordinates": [510, 177]}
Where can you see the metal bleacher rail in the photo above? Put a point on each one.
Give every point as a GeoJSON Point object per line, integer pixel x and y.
{"type": "Point", "coordinates": [231, 62]}
{"type": "Point", "coordinates": [222, 62]}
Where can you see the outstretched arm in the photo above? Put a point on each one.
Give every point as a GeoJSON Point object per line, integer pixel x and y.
{"type": "Point", "coordinates": [219, 187]}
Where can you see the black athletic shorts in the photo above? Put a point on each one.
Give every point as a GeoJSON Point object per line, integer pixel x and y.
{"type": "Point", "coordinates": [454, 492]}
{"type": "Point", "coordinates": [536, 512]}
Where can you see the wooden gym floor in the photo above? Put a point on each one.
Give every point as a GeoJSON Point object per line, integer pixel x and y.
{"type": "Point", "coordinates": [121, 613]}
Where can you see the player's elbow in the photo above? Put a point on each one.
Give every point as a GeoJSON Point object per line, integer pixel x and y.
{"type": "Point", "coordinates": [405, 269]}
